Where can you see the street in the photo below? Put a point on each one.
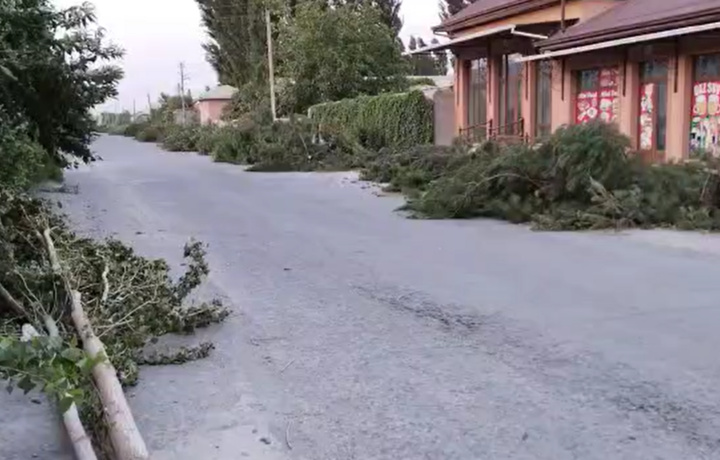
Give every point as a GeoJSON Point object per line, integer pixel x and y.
{"type": "Point", "coordinates": [360, 334]}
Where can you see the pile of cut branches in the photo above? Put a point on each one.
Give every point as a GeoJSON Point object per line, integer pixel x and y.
{"type": "Point", "coordinates": [49, 276]}
{"type": "Point", "coordinates": [412, 170]}
{"type": "Point", "coordinates": [583, 177]}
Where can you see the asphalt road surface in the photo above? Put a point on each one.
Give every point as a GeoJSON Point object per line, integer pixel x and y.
{"type": "Point", "coordinates": [360, 334]}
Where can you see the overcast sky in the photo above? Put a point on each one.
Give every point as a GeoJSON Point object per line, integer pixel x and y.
{"type": "Point", "coordinates": [158, 34]}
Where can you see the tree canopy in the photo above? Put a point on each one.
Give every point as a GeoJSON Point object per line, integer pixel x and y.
{"type": "Point", "coordinates": [363, 56]}
{"type": "Point", "coordinates": [309, 70]}
{"type": "Point", "coordinates": [54, 68]}
{"type": "Point", "coordinates": [236, 30]}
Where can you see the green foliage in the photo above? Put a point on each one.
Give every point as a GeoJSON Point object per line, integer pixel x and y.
{"type": "Point", "coordinates": [363, 56]}
{"type": "Point", "coordinates": [290, 146]}
{"type": "Point", "coordinates": [236, 48]}
{"type": "Point", "coordinates": [21, 158]}
{"type": "Point", "coordinates": [236, 143]}
{"type": "Point", "coordinates": [581, 178]}
{"type": "Point", "coordinates": [131, 301]}
{"type": "Point", "coordinates": [392, 120]}
{"type": "Point", "coordinates": [423, 81]}
{"type": "Point", "coordinates": [206, 139]}
{"type": "Point", "coordinates": [180, 138]}
{"type": "Point", "coordinates": [414, 169]}
{"type": "Point", "coordinates": [110, 120]}
{"type": "Point", "coordinates": [133, 129]}
{"type": "Point", "coordinates": [53, 73]}
{"type": "Point", "coordinates": [149, 132]}
{"type": "Point", "coordinates": [45, 363]}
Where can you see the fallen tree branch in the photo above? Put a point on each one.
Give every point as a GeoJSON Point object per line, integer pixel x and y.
{"type": "Point", "coordinates": [52, 253]}
{"type": "Point", "coordinates": [106, 285]}
{"type": "Point", "coordinates": [10, 301]}
{"type": "Point", "coordinates": [125, 437]}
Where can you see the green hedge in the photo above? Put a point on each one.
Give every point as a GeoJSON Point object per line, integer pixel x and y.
{"type": "Point", "coordinates": [389, 120]}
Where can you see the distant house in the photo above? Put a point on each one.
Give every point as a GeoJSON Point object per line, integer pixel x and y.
{"type": "Point", "coordinates": [211, 104]}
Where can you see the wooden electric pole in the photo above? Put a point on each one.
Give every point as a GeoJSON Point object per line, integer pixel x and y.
{"type": "Point", "coordinates": [271, 65]}
{"type": "Point", "coordinates": [183, 78]}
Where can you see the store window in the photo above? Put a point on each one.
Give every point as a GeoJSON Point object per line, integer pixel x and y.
{"type": "Point", "coordinates": [653, 105]}
{"type": "Point", "coordinates": [477, 108]}
{"type": "Point", "coordinates": [510, 97]}
{"type": "Point", "coordinates": [597, 95]}
{"type": "Point", "coordinates": [543, 101]}
{"type": "Point", "coordinates": [705, 124]}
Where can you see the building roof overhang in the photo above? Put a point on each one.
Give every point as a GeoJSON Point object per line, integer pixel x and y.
{"type": "Point", "coordinates": [631, 40]}
{"type": "Point", "coordinates": [632, 18]}
{"type": "Point", "coordinates": [476, 38]}
{"type": "Point", "coordinates": [486, 11]}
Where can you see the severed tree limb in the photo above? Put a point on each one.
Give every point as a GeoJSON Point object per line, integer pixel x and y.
{"type": "Point", "coordinates": [125, 437]}
{"type": "Point", "coordinates": [52, 253]}
{"type": "Point", "coordinates": [81, 442]}
{"type": "Point", "coordinates": [126, 440]}
{"type": "Point", "coordinates": [10, 301]}
{"type": "Point", "coordinates": [106, 285]}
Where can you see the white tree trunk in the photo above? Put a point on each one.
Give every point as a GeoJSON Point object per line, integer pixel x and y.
{"type": "Point", "coordinates": [126, 440]}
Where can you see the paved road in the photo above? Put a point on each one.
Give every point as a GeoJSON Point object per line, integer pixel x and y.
{"type": "Point", "coordinates": [360, 334]}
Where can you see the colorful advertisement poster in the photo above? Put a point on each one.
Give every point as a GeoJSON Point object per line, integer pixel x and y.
{"type": "Point", "coordinates": [601, 103]}
{"type": "Point", "coordinates": [587, 106]}
{"type": "Point", "coordinates": [705, 125]}
{"type": "Point", "coordinates": [647, 110]}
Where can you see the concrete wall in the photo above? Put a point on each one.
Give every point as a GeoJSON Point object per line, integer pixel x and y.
{"type": "Point", "coordinates": [211, 110]}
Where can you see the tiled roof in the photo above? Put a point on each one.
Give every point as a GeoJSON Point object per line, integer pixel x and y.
{"type": "Point", "coordinates": [632, 17]}
{"type": "Point", "coordinates": [484, 7]}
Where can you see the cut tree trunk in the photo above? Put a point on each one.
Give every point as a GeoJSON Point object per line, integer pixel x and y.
{"type": "Point", "coordinates": [82, 445]}
{"type": "Point", "coordinates": [125, 437]}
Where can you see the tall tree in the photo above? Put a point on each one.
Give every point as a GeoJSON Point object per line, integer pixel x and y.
{"type": "Point", "coordinates": [389, 10]}
{"type": "Point", "coordinates": [363, 56]}
{"type": "Point", "coordinates": [450, 7]}
{"type": "Point", "coordinates": [236, 30]}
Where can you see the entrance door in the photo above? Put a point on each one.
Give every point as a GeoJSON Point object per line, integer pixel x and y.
{"type": "Point", "coordinates": [653, 108]}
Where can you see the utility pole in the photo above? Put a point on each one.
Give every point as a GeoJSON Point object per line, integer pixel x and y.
{"type": "Point", "coordinates": [149, 105]}
{"type": "Point", "coordinates": [271, 65]}
{"type": "Point", "coordinates": [183, 78]}
{"type": "Point", "coordinates": [134, 111]}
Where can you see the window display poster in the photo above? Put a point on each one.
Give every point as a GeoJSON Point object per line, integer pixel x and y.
{"type": "Point", "coordinates": [705, 125]}
{"type": "Point", "coordinates": [601, 102]}
{"type": "Point", "coordinates": [647, 109]}
{"type": "Point", "coordinates": [587, 106]}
